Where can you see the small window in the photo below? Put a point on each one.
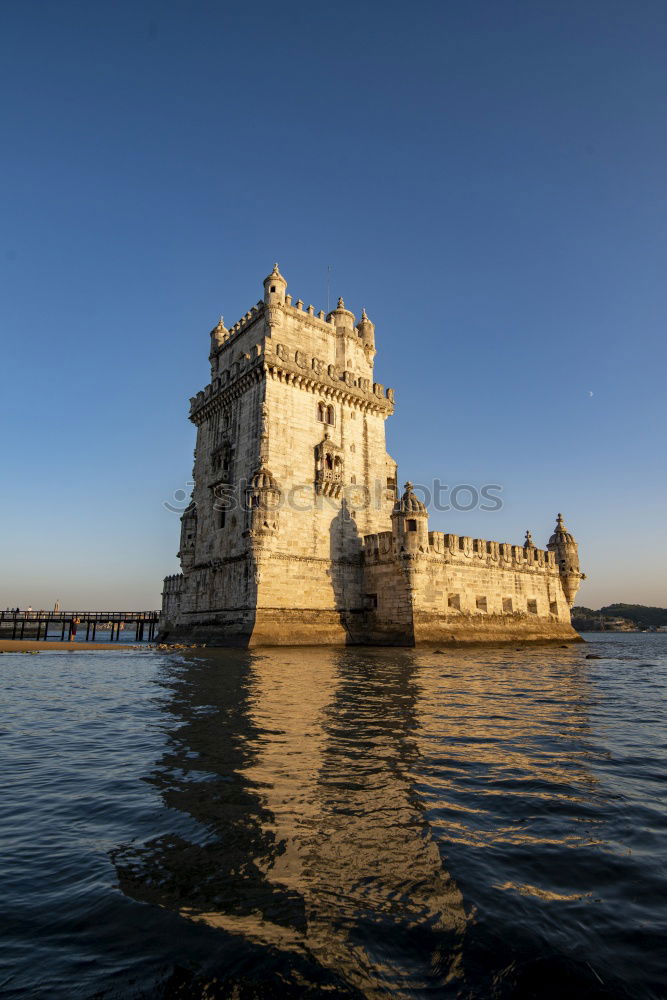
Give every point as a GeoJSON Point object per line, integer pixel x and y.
{"type": "Point", "coordinates": [553, 608]}
{"type": "Point", "coordinates": [221, 517]}
{"type": "Point", "coordinates": [481, 604]}
{"type": "Point", "coordinates": [370, 601]}
{"type": "Point", "coordinates": [507, 605]}
{"type": "Point", "coordinates": [331, 415]}
{"type": "Point", "coordinates": [353, 480]}
{"type": "Point", "coordinates": [412, 525]}
{"type": "Point", "coordinates": [532, 607]}
{"type": "Point", "coordinates": [273, 288]}
{"type": "Point", "coordinates": [454, 601]}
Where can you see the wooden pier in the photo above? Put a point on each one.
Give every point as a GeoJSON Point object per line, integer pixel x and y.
{"type": "Point", "coordinates": [91, 626]}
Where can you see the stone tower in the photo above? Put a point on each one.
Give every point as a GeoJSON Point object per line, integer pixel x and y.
{"type": "Point", "coordinates": [290, 472]}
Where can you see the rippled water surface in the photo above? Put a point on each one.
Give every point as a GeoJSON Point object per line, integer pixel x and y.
{"type": "Point", "coordinates": [344, 823]}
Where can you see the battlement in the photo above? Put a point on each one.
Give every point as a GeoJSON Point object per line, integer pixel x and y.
{"type": "Point", "coordinates": [464, 550]}
{"type": "Point", "coordinates": [173, 584]}
{"type": "Point", "coordinates": [308, 313]}
{"type": "Point", "coordinates": [274, 304]}
{"type": "Point", "coordinates": [230, 336]}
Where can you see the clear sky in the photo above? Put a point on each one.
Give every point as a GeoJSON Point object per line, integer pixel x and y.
{"type": "Point", "coordinates": [487, 178]}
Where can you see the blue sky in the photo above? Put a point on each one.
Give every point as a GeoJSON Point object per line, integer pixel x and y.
{"type": "Point", "coordinates": [486, 178]}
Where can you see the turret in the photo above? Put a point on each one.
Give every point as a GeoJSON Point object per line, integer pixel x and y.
{"type": "Point", "coordinates": [343, 319]}
{"type": "Point", "coordinates": [409, 522]}
{"type": "Point", "coordinates": [275, 287]}
{"type": "Point", "coordinates": [186, 553]}
{"type": "Point", "coordinates": [367, 335]}
{"type": "Point", "coordinates": [566, 550]}
{"type": "Point", "coordinates": [263, 501]}
{"type": "Point", "coordinates": [219, 335]}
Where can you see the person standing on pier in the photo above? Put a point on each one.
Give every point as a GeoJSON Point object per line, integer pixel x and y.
{"type": "Point", "coordinates": [72, 628]}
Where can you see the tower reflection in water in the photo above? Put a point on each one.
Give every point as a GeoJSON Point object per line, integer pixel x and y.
{"type": "Point", "coordinates": [309, 838]}
{"type": "Point", "coordinates": [315, 795]}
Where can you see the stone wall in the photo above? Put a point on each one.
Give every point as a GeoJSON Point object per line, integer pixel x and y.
{"type": "Point", "coordinates": [463, 589]}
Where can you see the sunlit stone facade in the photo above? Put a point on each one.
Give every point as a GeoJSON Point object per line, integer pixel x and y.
{"type": "Point", "coordinates": [296, 533]}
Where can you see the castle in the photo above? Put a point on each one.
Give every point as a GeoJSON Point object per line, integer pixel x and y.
{"type": "Point", "coordinates": [296, 532]}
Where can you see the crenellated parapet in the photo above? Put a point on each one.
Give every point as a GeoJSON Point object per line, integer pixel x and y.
{"type": "Point", "coordinates": [173, 585]}
{"type": "Point", "coordinates": [277, 312]}
{"type": "Point", "coordinates": [229, 384]}
{"type": "Point", "coordinates": [223, 339]}
{"type": "Point", "coordinates": [378, 547]}
{"type": "Point", "coordinates": [462, 550]}
{"type": "Point", "coordinates": [465, 549]}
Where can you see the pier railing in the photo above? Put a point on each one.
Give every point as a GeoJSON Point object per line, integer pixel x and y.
{"type": "Point", "coordinates": [88, 626]}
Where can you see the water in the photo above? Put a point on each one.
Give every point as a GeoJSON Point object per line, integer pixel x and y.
{"type": "Point", "coordinates": [340, 823]}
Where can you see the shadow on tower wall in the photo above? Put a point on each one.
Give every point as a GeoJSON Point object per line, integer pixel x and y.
{"type": "Point", "coordinates": [346, 569]}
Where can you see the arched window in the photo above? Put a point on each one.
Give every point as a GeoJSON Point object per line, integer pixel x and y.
{"type": "Point", "coordinates": [326, 414]}
{"type": "Point", "coordinates": [328, 462]}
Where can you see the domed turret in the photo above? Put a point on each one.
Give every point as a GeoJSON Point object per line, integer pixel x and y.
{"type": "Point", "coordinates": [343, 318]}
{"type": "Point", "coordinates": [409, 522]}
{"type": "Point", "coordinates": [566, 551]}
{"type": "Point", "coordinates": [219, 335]}
{"type": "Point", "coordinates": [275, 287]}
{"type": "Point", "coordinates": [561, 535]}
{"type": "Point", "coordinates": [366, 332]}
{"type": "Point", "coordinates": [262, 480]}
{"type": "Point", "coordinates": [263, 501]}
{"type": "Point", "coordinates": [409, 503]}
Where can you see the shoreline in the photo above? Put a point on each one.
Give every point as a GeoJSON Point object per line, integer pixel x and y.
{"type": "Point", "coordinates": [32, 646]}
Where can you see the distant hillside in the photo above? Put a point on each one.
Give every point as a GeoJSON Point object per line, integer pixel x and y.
{"type": "Point", "coordinates": [625, 617]}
